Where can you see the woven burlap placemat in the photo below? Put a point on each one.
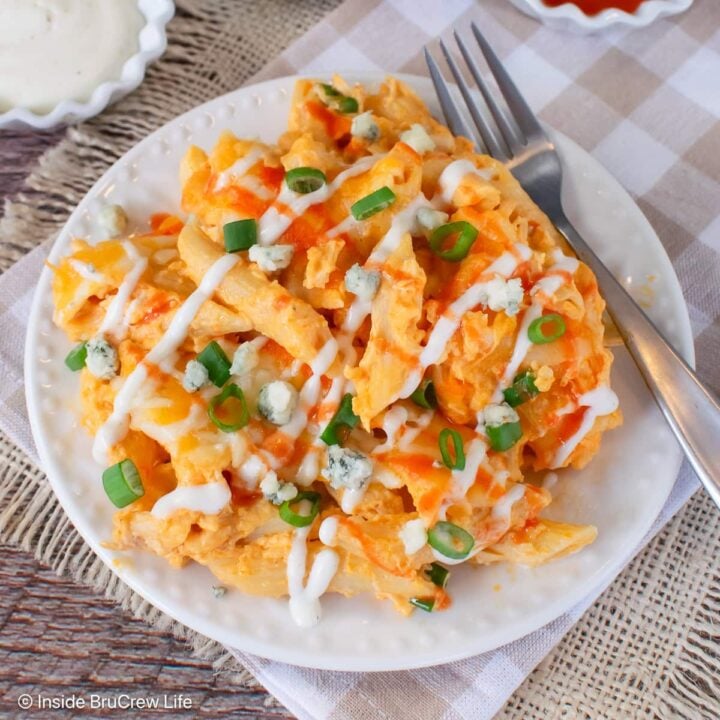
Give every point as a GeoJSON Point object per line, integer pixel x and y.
{"type": "Point", "coordinates": [648, 648]}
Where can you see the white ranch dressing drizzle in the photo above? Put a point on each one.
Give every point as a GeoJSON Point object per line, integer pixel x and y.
{"type": "Point", "coordinates": [413, 535]}
{"type": "Point", "coordinates": [600, 401]}
{"type": "Point", "coordinates": [452, 176]}
{"type": "Point", "coordinates": [342, 227]}
{"type": "Point", "coordinates": [115, 321]}
{"type": "Point", "coordinates": [393, 422]}
{"type": "Point", "coordinates": [450, 321]}
{"type": "Point", "coordinates": [128, 314]}
{"type": "Point", "coordinates": [352, 498]}
{"type": "Point", "coordinates": [208, 499]}
{"type": "Point", "coordinates": [502, 510]}
{"type": "Point", "coordinates": [87, 271]}
{"type": "Point", "coordinates": [309, 466]}
{"type": "Point", "coordinates": [464, 479]}
{"type": "Point", "coordinates": [310, 392]}
{"type": "Point", "coordinates": [305, 598]}
{"type": "Point", "coordinates": [402, 223]}
{"type": "Point", "coordinates": [273, 223]}
{"type": "Point", "coordinates": [238, 169]}
{"type": "Point", "coordinates": [545, 287]}
{"type": "Point", "coordinates": [252, 470]}
{"type": "Point", "coordinates": [412, 431]}
{"type": "Point", "coordinates": [454, 561]}
{"type": "Point", "coordinates": [328, 531]}
{"type": "Point", "coordinates": [116, 426]}
{"type": "Point", "coordinates": [255, 186]}
{"type": "Point", "coordinates": [55, 50]}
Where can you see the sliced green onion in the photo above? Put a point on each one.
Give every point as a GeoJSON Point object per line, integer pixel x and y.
{"type": "Point", "coordinates": [451, 540]}
{"type": "Point", "coordinates": [297, 519]}
{"type": "Point", "coordinates": [503, 437]}
{"type": "Point", "coordinates": [305, 179]}
{"type": "Point", "coordinates": [537, 334]}
{"type": "Point", "coordinates": [424, 395]}
{"type": "Point", "coordinates": [75, 359]}
{"type": "Point", "coordinates": [522, 389]}
{"type": "Point", "coordinates": [122, 483]}
{"type": "Point", "coordinates": [437, 574]}
{"type": "Point", "coordinates": [343, 418]}
{"type": "Point", "coordinates": [373, 203]}
{"type": "Point", "coordinates": [238, 416]}
{"type": "Point", "coordinates": [426, 604]}
{"type": "Point", "coordinates": [466, 235]}
{"type": "Point", "coordinates": [459, 462]}
{"type": "Point", "coordinates": [213, 357]}
{"type": "Point", "coordinates": [330, 91]}
{"type": "Point", "coordinates": [240, 235]}
{"type": "Point", "coordinates": [347, 105]}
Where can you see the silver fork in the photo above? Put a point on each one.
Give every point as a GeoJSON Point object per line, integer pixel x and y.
{"type": "Point", "coordinates": [689, 407]}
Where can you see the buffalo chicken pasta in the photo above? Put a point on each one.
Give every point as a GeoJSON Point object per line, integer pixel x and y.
{"type": "Point", "coordinates": [332, 371]}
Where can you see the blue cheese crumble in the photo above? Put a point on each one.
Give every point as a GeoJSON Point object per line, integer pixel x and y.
{"type": "Point", "coordinates": [246, 358]}
{"type": "Point", "coordinates": [112, 220]}
{"type": "Point", "coordinates": [418, 139]}
{"type": "Point", "coordinates": [275, 491]}
{"type": "Point", "coordinates": [271, 258]}
{"type": "Point", "coordinates": [363, 126]}
{"type": "Point", "coordinates": [501, 294]}
{"type": "Point", "coordinates": [495, 415]}
{"type": "Point", "coordinates": [347, 468]}
{"type": "Point", "coordinates": [361, 282]}
{"type": "Point", "coordinates": [219, 591]}
{"type": "Point", "coordinates": [102, 359]}
{"type": "Point", "coordinates": [196, 376]}
{"type": "Point", "coordinates": [277, 401]}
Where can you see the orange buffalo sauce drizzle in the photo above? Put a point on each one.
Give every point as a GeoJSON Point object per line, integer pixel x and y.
{"type": "Point", "coordinates": [593, 7]}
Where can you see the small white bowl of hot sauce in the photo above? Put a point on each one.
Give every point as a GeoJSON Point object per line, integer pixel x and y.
{"type": "Point", "coordinates": [587, 16]}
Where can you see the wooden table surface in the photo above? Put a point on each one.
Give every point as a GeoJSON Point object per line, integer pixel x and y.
{"type": "Point", "coordinates": [58, 638]}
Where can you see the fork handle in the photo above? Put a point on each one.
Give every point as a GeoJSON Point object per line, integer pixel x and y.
{"type": "Point", "coordinates": [690, 408]}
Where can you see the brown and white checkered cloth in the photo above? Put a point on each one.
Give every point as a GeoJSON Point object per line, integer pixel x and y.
{"type": "Point", "coordinates": [646, 104]}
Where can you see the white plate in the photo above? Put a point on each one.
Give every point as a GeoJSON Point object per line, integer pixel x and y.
{"type": "Point", "coordinates": [621, 491]}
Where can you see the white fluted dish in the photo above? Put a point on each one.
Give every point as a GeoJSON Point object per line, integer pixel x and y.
{"type": "Point", "coordinates": [152, 42]}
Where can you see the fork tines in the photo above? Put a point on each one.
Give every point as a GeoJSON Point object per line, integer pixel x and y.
{"type": "Point", "coordinates": [503, 135]}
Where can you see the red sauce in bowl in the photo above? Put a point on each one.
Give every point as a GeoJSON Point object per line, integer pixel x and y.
{"type": "Point", "coordinates": [593, 7]}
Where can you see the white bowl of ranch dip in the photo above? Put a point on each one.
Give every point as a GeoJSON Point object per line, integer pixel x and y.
{"type": "Point", "coordinates": [63, 61]}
